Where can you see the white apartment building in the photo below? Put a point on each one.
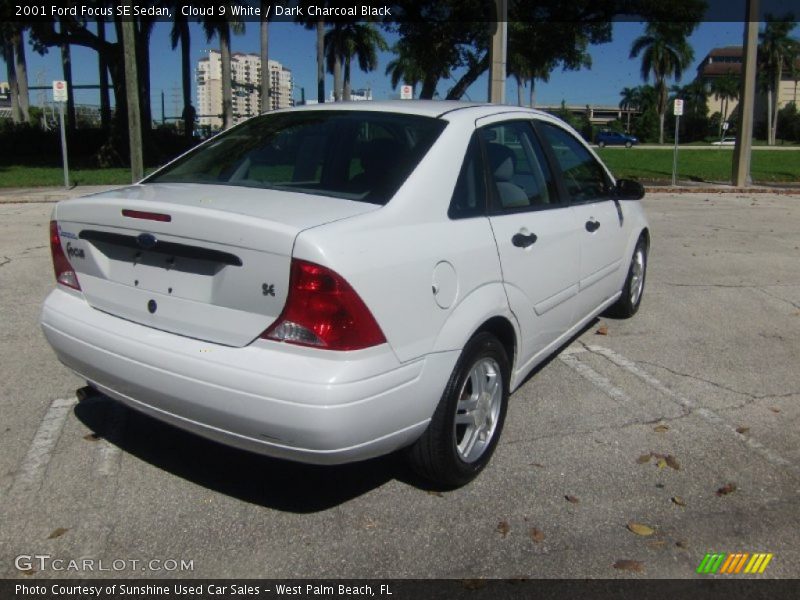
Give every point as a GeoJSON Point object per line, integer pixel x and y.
{"type": "Point", "coordinates": [246, 78]}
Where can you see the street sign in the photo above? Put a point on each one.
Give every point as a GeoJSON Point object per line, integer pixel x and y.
{"type": "Point", "coordinates": [60, 96]}
{"type": "Point", "coordinates": [406, 92]}
{"type": "Point", "coordinates": [677, 110]}
{"type": "Point", "coordinates": [725, 126]}
{"type": "Point", "coordinates": [59, 91]}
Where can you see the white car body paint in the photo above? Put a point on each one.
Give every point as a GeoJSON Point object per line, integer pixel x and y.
{"type": "Point", "coordinates": [199, 363]}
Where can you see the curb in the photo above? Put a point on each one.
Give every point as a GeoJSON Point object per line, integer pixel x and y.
{"type": "Point", "coordinates": [667, 189]}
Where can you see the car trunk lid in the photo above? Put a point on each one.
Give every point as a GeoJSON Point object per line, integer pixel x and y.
{"type": "Point", "coordinates": [206, 261]}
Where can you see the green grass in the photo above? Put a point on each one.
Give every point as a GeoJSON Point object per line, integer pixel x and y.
{"type": "Point", "coordinates": [768, 166]}
{"type": "Point", "coordinates": [22, 176]}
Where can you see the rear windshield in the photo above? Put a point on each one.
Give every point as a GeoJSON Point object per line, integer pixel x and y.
{"type": "Point", "coordinates": [344, 154]}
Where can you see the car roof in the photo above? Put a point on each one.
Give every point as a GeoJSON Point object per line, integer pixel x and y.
{"type": "Point", "coordinates": [450, 110]}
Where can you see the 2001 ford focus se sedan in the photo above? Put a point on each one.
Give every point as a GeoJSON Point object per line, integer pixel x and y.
{"type": "Point", "coordinates": [337, 282]}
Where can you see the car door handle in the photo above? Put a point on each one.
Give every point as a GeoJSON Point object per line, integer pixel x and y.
{"type": "Point", "coordinates": [520, 240]}
{"type": "Point", "coordinates": [592, 226]}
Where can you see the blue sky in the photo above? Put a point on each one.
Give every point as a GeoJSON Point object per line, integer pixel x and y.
{"type": "Point", "coordinates": [294, 46]}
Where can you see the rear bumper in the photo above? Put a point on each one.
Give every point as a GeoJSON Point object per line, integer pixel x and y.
{"type": "Point", "coordinates": [289, 402]}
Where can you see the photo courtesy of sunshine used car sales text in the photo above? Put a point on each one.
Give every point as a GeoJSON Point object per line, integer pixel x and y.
{"type": "Point", "coordinates": [226, 590]}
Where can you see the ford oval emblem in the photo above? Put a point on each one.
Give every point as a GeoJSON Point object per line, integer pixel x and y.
{"type": "Point", "coordinates": [146, 241]}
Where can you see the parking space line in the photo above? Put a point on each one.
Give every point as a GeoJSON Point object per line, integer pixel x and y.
{"type": "Point", "coordinates": [708, 415]}
{"type": "Point", "coordinates": [34, 465]}
{"type": "Point", "coordinates": [110, 452]}
{"type": "Point", "coordinates": [596, 378]}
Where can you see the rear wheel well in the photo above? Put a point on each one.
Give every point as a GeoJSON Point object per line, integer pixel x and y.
{"type": "Point", "coordinates": [501, 328]}
{"type": "Point", "coordinates": [645, 235]}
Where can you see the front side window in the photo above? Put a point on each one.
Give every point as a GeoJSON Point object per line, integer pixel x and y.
{"type": "Point", "coordinates": [356, 155]}
{"type": "Point", "coordinates": [519, 171]}
{"type": "Point", "coordinates": [584, 177]}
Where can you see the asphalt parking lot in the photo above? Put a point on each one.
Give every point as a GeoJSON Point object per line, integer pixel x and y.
{"type": "Point", "coordinates": [684, 419]}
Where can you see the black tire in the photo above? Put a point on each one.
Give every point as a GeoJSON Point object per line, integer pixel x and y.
{"type": "Point", "coordinates": [437, 455]}
{"type": "Point", "coordinates": [628, 303]}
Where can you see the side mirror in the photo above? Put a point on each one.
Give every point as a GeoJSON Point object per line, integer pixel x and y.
{"type": "Point", "coordinates": [628, 189]}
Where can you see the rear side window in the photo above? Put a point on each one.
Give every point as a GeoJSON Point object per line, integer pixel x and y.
{"type": "Point", "coordinates": [357, 155]}
{"type": "Point", "coordinates": [520, 174]}
{"type": "Point", "coordinates": [469, 196]}
{"type": "Point", "coordinates": [584, 177]}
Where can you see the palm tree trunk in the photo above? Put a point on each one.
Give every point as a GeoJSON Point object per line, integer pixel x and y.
{"type": "Point", "coordinates": [102, 64]}
{"type": "Point", "coordinates": [66, 63]}
{"type": "Point", "coordinates": [628, 128]}
{"type": "Point", "coordinates": [189, 111]}
{"type": "Point", "coordinates": [769, 117]}
{"type": "Point", "coordinates": [143, 64]}
{"type": "Point", "coordinates": [320, 61]}
{"type": "Point", "coordinates": [472, 74]}
{"type": "Point", "coordinates": [8, 58]}
{"type": "Point", "coordinates": [346, 80]}
{"type": "Point", "coordinates": [227, 85]}
{"type": "Point", "coordinates": [428, 88]}
{"type": "Point", "coordinates": [337, 81]}
{"type": "Point", "coordinates": [265, 72]}
{"type": "Point", "coordinates": [532, 102]}
{"type": "Point", "coordinates": [22, 75]}
{"type": "Point", "coordinates": [777, 101]}
{"type": "Point", "coordinates": [662, 109]}
{"type": "Point", "coordinates": [520, 92]}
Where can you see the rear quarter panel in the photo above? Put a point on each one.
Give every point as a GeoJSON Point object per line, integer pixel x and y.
{"type": "Point", "coordinates": [389, 256]}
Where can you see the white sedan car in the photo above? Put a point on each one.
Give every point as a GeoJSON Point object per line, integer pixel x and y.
{"type": "Point", "coordinates": [337, 282]}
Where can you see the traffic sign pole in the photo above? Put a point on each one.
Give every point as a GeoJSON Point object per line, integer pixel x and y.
{"type": "Point", "coordinates": [60, 96]}
{"type": "Point", "coordinates": [677, 110]}
{"type": "Point", "coordinates": [63, 144]}
{"type": "Point", "coordinates": [675, 152]}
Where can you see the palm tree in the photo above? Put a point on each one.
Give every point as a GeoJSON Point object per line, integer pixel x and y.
{"type": "Point", "coordinates": [66, 65]}
{"type": "Point", "coordinates": [12, 40]}
{"type": "Point", "coordinates": [725, 88]}
{"type": "Point", "coordinates": [335, 47]}
{"type": "Point", "coordinates": [265, 72]}
{"type": "Point", "coordinates": [519, 65]}
{"type": "Point", "coordinates": [348, 40]}
{"type": "Point", "coordinates": [318, 24]}
{"type": "Point", "coordinates": [629, 102]}
{"type": "Point", "coordinates": [776, 49]}
{"type": "Point", "coordinates": [180, 34]}
{"type": "Point", "coordinates": [22, 74]}
{"type": "Point", "coordinates": [404, 68]}
{"type": "Point", "coordinates": [102, 67]}
{"type": "Point", "coordinates": [222, 26]}
{"type": "Point", "coordinates": [6, 39]}
{"type": "Point", "coordinates": [665, 53]}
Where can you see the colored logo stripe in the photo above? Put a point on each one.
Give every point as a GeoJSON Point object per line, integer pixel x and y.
{"type": "Point", "coordinates": [758, 563]}
{"type": "Point", "coordinates": [725, 563]}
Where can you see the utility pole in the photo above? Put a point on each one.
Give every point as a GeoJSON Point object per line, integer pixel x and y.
{"type": "Point", "coordinates": [740, 175]}
{"type": "Point", "coordinates": [132, 93]}
{"type": "Point", "coordinates": [497, 53]}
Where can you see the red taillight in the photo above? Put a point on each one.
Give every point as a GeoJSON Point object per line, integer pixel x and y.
{"type": "Point", "coordinates": [149, 216]}
{"type": "Point", "coordinates": [322, 310]}
{"type": "Point", "coordinates": [65, 274]}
